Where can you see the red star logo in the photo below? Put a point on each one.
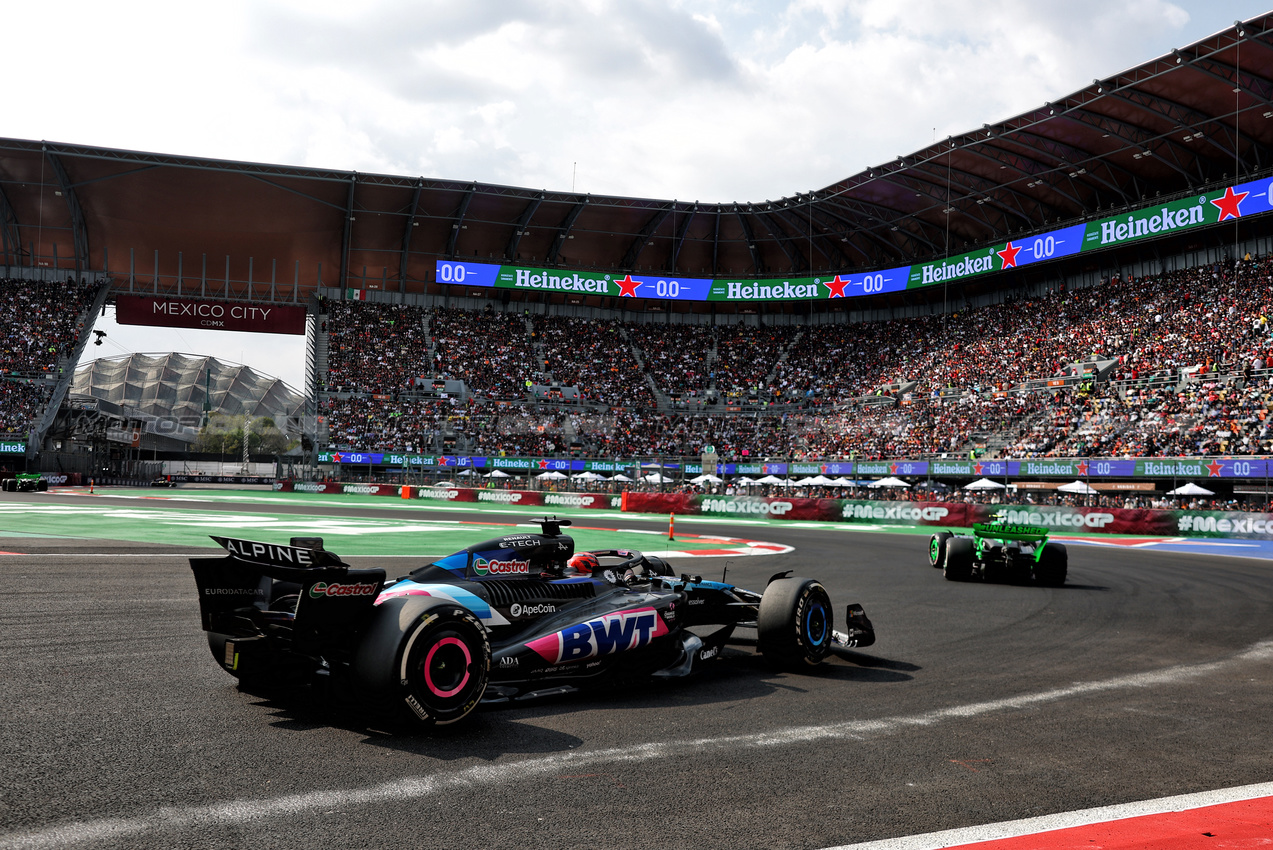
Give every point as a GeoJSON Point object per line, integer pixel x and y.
{"type": "Point", "coordinates": [824, 469]}
{"type": "Point", "coordinates": [976, 468]}
{"type": "Point", "coordinates": [837, 287]}
{"type": "Point", "coordinates": [1081, 468]}
{"type": "Point", "coordinates": [543, 464]}
{"type": "Point", "coordinates": [443, 461]}
{"type": "Point", "coordinates": [1229, 202]}
{"type": "Point", "coordinates": [336, 458]}
{"type": "Point", "coordinates": [1214, 468]}
{"type": "Point", "coordinates": [892, 469]}
{"type": "Point", "coordinates": [1009, 256]}
{"type": "Point", "coordinates": [628, 286]}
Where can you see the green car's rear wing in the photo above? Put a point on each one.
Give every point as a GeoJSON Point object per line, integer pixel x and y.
{"type": "Point", "coordinates": [1010, 531]}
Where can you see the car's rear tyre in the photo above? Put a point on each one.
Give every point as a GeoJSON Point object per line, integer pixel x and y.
{"type": "Point", "coordinates": [793, 628]}
{"type": "Point", "coordinates": [937, 549]}
{"type": "Point", "coordinates": [1053, 565]}
{"type": "Point", "coordinates": [42, 485]}
{"type": "Point", "coordinates": [958, 559]}
{"type": "Point", "coordinates": [7, 484]}
{"type": "Point", "coordinates": [425, 661]}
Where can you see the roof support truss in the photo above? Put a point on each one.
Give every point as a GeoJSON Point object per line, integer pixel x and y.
{"type": "Point", "coordinates": [79, 231]}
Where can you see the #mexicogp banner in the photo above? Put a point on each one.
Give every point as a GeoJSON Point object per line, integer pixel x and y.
{"type": "Point", "coordinates": [1229, 204]}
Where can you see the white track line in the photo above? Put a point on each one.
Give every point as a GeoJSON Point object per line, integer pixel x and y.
{"type": "Point", "coordinates": [1067, 820]}
{"type": "Point", "coordinates": [238, 812]}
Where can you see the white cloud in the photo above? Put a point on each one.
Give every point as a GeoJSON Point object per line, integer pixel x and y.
{"type": "Point", "coordinates": [716, 100]}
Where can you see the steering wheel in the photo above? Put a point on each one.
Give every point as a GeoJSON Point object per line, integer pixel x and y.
{"type": "Point", "coordinates": [630, 566]}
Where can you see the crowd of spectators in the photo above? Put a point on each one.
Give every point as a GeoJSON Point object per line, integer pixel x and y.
{"type": "Point", "coordinates": [1184, 359]}
{"type": "Point", "coordinates": [490, 351]}
{"type": "Point", "coordinates": [374, 348]}
{"type": "Point", "coordinates": [678, 357]}
{"type": "Point", "coordinates": [594, 356]}
{"type": "Point", "coordinates": [41, 323]}
{"type": "Point", "coordinates": [21, 401]}
{"type": "Point", "coordinates": [40, 326]}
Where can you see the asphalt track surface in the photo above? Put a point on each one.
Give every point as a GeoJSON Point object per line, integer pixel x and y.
{"type": "Point", "coordinates": [1148, 675]}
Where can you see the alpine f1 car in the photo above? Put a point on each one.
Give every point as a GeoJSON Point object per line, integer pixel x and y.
{"type": "Point", "coordinates": [502, 620]}
{"type": "Point", "coordinates": [1000, 550]}
{"type": "Point", "coordinates": [25, 482]}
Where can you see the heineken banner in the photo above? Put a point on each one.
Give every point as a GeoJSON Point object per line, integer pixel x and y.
{"type": "Point", "coordinates": [1232, 203]}
{"type": "Point", "coordinates": [12, 447]}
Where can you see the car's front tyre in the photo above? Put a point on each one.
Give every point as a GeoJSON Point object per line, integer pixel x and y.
{"type": "Point", "coordinates": [795, 622]}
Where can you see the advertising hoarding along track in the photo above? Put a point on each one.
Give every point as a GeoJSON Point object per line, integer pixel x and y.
{"type": "Point", "coordinates": [1195, 211]}
{"type": "Point", "coordinates": [1092, 468]}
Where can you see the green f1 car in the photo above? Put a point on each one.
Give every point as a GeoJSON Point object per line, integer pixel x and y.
{"type": "Point", "coordinates": [1000, 550]}
{"type": "Point", "coordinates": [25, 482]}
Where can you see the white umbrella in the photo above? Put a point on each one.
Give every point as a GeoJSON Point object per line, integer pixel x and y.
{"type": "Point", "coordinates": [467, 472]}
{"type": "Point", "coordinates": [1190, 489]}
{"type": "Point", "coordinates": [705, 477]}
{"type": "Point", "coordinates": [888, 482]}
{"type": "Point", "coordinates": [655, 478]}
{"type": "Point", "coordinates": [498, 473]}
{"type": "Point", "coordinates": [551, 474]}
{"type": "Point", "coordinates": [769, 479]}
{"type": "Point", "coordinates": [620, 477]}
{"type": "Point", "coordinates": [744, 480]}
{"type": "Point", "coordinates": [450, 485]}
{"type": "Point", "coordinates": [841, 482]}
{"type": "Point", "coordinates": [984, 484]}
{"type": "Point", "coordinates": [818, 481]}
{"type": "Point", "coordinates": [1077, 487]}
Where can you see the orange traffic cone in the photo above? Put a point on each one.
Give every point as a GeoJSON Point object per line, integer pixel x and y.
{"type": "Point", "coordinates": [90, 485]}
{"type": "Point", "coordinates": [671, 526]}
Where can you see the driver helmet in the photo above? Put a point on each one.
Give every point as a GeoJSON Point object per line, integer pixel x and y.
{"type": "Point", "coordinates": [583, 564]}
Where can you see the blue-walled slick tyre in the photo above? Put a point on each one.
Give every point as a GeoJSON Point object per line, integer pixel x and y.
{"type": "Point", "coordinates": [795, 622]}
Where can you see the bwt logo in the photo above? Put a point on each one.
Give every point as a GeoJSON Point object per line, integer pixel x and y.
{"type": "Point", "coordinates": [607, 635]}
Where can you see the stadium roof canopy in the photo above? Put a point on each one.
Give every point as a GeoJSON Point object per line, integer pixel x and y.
{"type": "Point", "coordinates": [174, 386]}
{"type": "Point", "coordinates": [1190, 119]}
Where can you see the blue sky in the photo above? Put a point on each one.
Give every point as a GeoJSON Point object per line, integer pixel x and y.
{"type": "Point", "coordinates": [712, 100]}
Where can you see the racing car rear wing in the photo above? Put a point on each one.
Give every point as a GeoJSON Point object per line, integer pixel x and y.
{"type": "Point", "coordinates": [327, 591]}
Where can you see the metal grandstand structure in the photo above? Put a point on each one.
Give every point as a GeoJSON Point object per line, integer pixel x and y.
{"type": "Point", "coordinates": [183, 389]}
{"type": "Point", "coordinates": [1191, 119]}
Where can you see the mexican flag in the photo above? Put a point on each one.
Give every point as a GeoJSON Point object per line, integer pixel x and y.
{"type": "Point", "coordinates": [355, 295]}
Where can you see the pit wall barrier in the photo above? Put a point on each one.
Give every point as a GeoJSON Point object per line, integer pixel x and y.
{"type": "Point", "coordinates": [521, 498]}
{"type": "Point", "coordinates": [1057, 519]}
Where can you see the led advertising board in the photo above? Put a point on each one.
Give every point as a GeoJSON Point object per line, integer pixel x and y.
{"type": "Point", "coordinates": [1231, 203]}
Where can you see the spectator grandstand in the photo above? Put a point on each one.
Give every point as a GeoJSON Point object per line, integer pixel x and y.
{"type": "Point", "coordinates": [40, 327]}
{"type": "Point", "coordinates": [1169, 364]}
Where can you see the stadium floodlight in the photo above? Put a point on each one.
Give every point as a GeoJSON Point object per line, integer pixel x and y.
{"type": "Point", "coordinates": [1099, 86]}
{"type": "Point", "coordinates": [1176, 53]}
